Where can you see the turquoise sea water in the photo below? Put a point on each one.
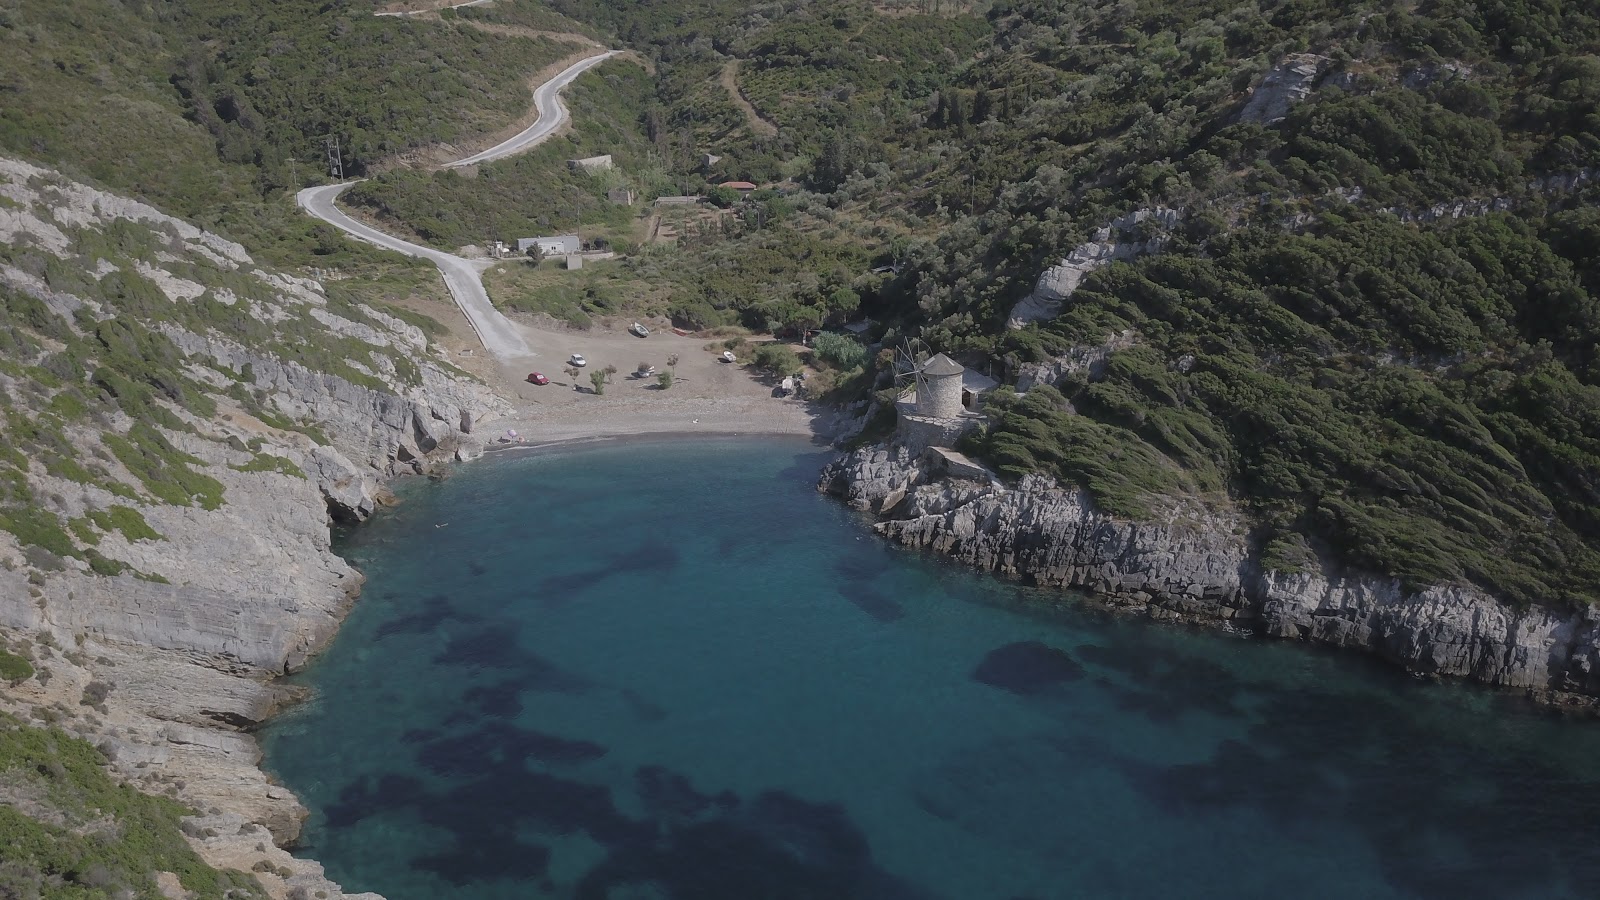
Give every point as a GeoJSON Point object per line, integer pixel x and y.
{"type": "Point", "coordinates": [672, 670]}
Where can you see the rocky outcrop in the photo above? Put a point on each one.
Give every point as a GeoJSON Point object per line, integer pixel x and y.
{"type": "Point", "coordinates": [168, 666]}
{"type": "Point", "coordinates": [1196, 565]}
{"type": "Point", "coordinates": [1284, 85]}
{"type": "Point", "coordinates": [1108, 245]}
{"type": "Point", "coordinates": [1086, 360]}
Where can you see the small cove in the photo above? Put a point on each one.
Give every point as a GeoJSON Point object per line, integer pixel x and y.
{"type": "Point", "coordinates": [671, 669]}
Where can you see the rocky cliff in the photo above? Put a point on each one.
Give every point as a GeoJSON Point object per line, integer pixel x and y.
{"type": "Point", "coordinates": [1107, 245]}
{"type": "Point", "coordinates": [1198, 565]}
{"type": "Point", "coordinates": [183, 424]}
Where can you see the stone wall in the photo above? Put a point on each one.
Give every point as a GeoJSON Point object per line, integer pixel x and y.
{"type": "Point", "coordinates": [917, 433]}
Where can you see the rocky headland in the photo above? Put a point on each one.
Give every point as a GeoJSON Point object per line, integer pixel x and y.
{"type": "Point", "coordinates": [1198, 565]}
{"type": "Point", "coordinates": [167, 658]}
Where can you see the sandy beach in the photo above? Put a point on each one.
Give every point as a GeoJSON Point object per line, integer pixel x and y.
{"type": "Point", "coordinates": [707, 396]}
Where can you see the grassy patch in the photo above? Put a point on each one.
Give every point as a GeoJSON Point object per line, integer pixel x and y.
{"type": "Point", "coordinates": [127, 520]}
{"type": "Point", "coordinates": [88, 836]}
{"type": "Point", "coordinates": [163, 470]}
{"type": "Point", "coordinates": [14, 668]}
{"type": "Point", "coordinates": [602, 288]}
{"type": "Point", "coordinates": [266, 462]}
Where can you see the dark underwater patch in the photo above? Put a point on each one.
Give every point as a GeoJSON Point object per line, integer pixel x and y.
{"type": "Point", "coordinates": [780, 848]}
{"type": "Point", "coordinates": [862, 565]}
{"type": "Point", "coordinates": [371, 796]}
{"type": "Point", "coordinates": [669, 796]}
{"type": "Point", "coordinates": [491, 648]}
{"type": "Point", "coordinates": [501, 700]}
{"type": "Point", "coordinates": [1027, 667]}
{"type": "Point", "coordinates": [498, 745]}
{"type": "Point", "coordinates": [873, 602]}
{"type": "Point", "coordinates": [1162, 688]}
{"type": "Point", "coordinates": [648, 556]}
{"type": "Point", "coordinates": [435, 611]}
{"type": "Point", "coordinates": [1443, 818]}
{"type": "Point", "coordinates": [641, 706]}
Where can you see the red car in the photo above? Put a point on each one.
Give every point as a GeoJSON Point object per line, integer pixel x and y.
{"type": "Point", "coordinates": [536, 378]}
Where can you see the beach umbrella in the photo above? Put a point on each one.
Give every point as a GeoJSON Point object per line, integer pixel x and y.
{"type": "Point", "coordinates": [511, 433]}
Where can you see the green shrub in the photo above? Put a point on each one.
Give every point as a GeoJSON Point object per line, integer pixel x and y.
{"type": "Point", "coordinates": [778, 359]}
{"type": "Point", "coordinates": [14, 668]}
{"type": "Point", "coordinates": [840, 351]}
{"type": "Point", "coordinates": [73, 858]}
{"type": "Point", "coordinates": [266, 462]}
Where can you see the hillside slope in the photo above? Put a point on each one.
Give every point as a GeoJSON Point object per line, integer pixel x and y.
{"type": "Point", "coordinates": [1334, 261]}
{"type": "Point", "coordinates": [180, 424]}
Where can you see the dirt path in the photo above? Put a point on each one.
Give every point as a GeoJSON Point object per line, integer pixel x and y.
{"type": "Point", "coordinates": [730, 81]}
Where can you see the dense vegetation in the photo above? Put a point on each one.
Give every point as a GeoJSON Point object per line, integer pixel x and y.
{"type": "Point", "coordinates": [67, 830]}
{"type": "Point", "coordinates": [1367, 378]}
{"type": "Point", "coordinates": [535, 193]}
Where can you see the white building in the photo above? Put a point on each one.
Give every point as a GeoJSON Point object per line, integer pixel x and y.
{"type": "Point", "coordinates": [558, 245]}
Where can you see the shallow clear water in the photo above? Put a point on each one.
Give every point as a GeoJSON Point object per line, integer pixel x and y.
{"type": "Point", "coordinates": [671, 669]}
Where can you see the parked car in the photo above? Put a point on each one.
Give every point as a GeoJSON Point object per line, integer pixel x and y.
{"type": "Point", "coordinates": [537, 378]}
{"type": "Point", "coordinates": [578, 360]}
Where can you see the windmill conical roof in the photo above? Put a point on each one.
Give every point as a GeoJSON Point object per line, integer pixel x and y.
{"type": "Point", "coordinates": [942, 365]}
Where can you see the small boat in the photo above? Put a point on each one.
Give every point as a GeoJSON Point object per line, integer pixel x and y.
{"type": "Point", "coordinates": [727, 356]}
{"type": "Point", "coordinates": [639, 330]}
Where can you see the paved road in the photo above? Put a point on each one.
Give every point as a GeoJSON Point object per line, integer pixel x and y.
{"type": "Point", "coordinates": [414, 12]}
{"type": "Point", "coordinates": [464, 277]}
{"type": "Point", "coordinates": [552, 112]}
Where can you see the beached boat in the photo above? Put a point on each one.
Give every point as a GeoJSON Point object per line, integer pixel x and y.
{"type": "Point", "coordinates": [639, 330]}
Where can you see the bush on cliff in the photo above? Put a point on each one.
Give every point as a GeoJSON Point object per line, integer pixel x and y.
{"type": "Point", "coordinates": [69, 830]}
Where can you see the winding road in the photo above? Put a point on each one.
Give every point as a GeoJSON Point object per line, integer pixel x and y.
{"type": "Point", "coordinates": [416, 12]}
{"type": "Point", "coordinates": [464, 277]}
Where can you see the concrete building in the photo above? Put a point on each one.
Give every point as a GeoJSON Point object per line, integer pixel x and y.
{"type": "Point", "coordinates": [556, 245]}
{"type": "Point", "coordinates": [591, 164]}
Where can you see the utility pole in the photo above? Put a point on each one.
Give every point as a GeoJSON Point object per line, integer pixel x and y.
{"type": "Point", "coordinates": [335, 161]}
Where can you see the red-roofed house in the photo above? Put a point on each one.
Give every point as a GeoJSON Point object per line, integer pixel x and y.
{"type": "Point", "coordinates": [743, 187]}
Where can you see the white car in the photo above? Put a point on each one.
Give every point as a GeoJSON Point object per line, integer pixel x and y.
{"type": "Point", "coordinates": [578, 360]}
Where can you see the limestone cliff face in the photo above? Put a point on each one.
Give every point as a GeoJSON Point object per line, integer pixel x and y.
{"type": "Point", "coordinates": [1056, 284]}
{"type": "Point", "coordinates": [1199, 567]}
{"type": "Point", "coordinates": [167, 672]}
